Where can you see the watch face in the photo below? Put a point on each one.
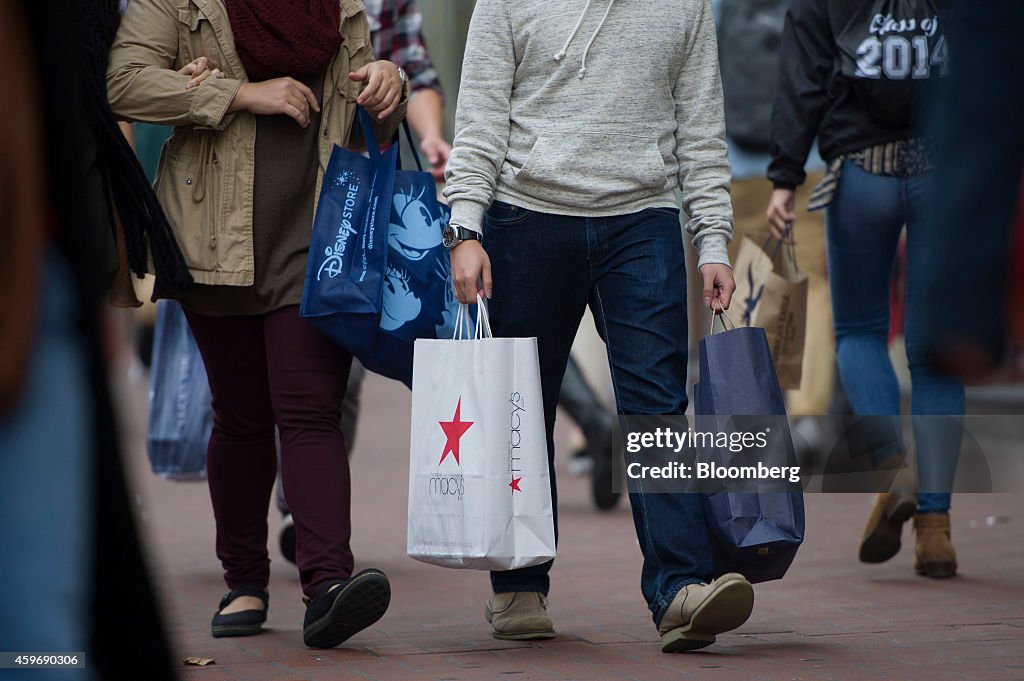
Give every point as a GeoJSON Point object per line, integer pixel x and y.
{"type": "Point", "coordinates": [448, 236]}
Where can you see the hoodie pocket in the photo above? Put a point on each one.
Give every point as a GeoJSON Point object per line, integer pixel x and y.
{"type": "Point", "coordinates": [592, 170]}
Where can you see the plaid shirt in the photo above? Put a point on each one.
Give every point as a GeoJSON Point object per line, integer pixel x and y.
{"type": "Point", "coordinates": [395, 25]}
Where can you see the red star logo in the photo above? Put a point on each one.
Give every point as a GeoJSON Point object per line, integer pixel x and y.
{"type": "Point", "coordinates": [453, 430]}
{"type": "Point", "coordinates": [515, 484]}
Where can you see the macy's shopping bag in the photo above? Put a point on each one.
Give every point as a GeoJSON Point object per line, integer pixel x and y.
{"type": "Point", "coordinates": [479, 489]}
{"type": "Point", "coordinates": [755, 531]}
{"type": "Point", "coordinates": [180, 415]}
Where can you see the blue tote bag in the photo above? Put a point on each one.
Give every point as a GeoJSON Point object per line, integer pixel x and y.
{"type": "Point", "coordinates": [348, 246]}
{"type": "Point", "coordinates": [180, 415]}
{"type": "Point", "coordinates": [756, 532]}
{"type": "Point", "coordinates": [413, 298]}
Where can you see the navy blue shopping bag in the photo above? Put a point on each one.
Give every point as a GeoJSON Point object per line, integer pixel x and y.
{"type": "Point", "coordinates": [419, 300]}
{"type": "Point", "coordinates": [180, 415]}
{"type": "Point", "coordinates": [348, 247]}
{"type": "Point", "coordinates": [756, 526]}
{"type": "Point", "coordinates": [413, 297]}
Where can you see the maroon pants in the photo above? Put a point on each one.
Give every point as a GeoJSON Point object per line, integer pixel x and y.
{"type": "Point", "coordinates": [266, 370]}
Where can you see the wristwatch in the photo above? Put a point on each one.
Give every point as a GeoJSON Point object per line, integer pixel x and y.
{"type": "Point", "coordinates": [452, 235]}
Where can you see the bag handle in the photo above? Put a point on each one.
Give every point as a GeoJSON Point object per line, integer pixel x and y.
{"type": "Point", "coordinates": [365, 125]}
{"type": "Point", "coordinates": [412, 145]}
{"type": "Point", "coordinates": [785, 243]}
{"type": "Point", "coordinates": [483, 321]}
{"type": "Point", "coordinates": [725, 318]}
{"type": "Point", "coordinates": [481, 330]}
{"type": "Point", "coordinates": [461, 324]}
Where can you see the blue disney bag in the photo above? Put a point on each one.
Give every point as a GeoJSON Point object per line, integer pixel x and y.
{"type": "Point", "coordinates": [378, 276]}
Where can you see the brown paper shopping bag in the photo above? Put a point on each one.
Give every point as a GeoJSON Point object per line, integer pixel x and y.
{"type": "Point", "coordinates": [771, 292]}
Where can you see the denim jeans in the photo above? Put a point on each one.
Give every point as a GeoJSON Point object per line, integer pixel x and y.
{"type": "Point", "coordinates": [863, 230]}
{"type": "Point", "coordinates": [46, 491]}
{"type": "Point", "coordinates": [631, 271]}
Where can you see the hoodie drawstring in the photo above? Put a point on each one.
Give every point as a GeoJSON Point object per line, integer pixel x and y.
{"type": "Point", "coordinates": [560, 55]}
{"type": "Point", "coordinates": [586, 50]}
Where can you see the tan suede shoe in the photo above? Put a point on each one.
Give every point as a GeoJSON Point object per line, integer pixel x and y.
{"type": "Point", "coordinates": [519, 616]}
{"type": "Point", "coordinates": [882, 535]}
{"type": "Point", "coordinates": [700, 612]}
{"type": "Point", "coordinates": [934, 555]}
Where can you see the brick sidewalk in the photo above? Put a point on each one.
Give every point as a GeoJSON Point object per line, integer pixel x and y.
{"type": "Point", "coordinates": [831, 618]}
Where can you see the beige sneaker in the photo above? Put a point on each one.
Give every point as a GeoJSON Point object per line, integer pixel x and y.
{"type": "Point", "coordinates": [699, 612]}
{"type": "Point", "coordinates": [519, 616]}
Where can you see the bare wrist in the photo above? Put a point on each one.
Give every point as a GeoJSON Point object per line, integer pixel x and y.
{"type": "Point", "coordinates": [241, 100]}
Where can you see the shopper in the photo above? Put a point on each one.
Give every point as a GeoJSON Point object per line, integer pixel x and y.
{"type": "Point", "coordinates": [395, 30]}
{"type": "Point", "coordinates": [862, 112]}
{"type": "Point", "coordinates": [238, 181]}
{"type": "Point", "coordinates": [576, 123]}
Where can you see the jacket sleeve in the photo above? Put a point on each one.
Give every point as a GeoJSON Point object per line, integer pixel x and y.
{"type": "Point", "coordinates": [805, 65]}
{"type": "Point", "coordinates": [482, 119]}
{"type": "Point", "coordinates": [141, 81]}
{"type": "Point", "coordinates": [701, 151]}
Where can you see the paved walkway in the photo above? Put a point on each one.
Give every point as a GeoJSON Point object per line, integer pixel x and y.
{"type": "Point", "coordinates": [831, 618]}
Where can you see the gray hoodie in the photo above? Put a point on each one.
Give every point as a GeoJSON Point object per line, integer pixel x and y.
{"type": "Point", "coordinates": [593, 108]}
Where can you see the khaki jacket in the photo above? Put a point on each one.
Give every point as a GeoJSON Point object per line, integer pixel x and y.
{"type": "Point", "coordinates": [205, 177]}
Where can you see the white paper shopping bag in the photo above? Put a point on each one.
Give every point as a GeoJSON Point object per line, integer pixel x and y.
{"type": "Point", "coordinates": [479, 490]}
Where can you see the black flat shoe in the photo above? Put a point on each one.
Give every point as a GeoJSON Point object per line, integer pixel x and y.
{"type": "Point", "coordinates": [242, 623]}
{"type": "Point", "coordinates": [332, 617]}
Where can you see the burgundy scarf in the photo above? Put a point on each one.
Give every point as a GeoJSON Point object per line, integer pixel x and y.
{"type": "Point", "coordinates": [277, 38]}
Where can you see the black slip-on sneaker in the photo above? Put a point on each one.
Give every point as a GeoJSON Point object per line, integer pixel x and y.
{"type": "Point", "coordinates": [343, 608]}
{"type": "Point", "coordinates": [245, 622]}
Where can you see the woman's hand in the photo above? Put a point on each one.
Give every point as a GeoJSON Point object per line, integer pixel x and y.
{"type": "Point", "coordinates": [781, 214]}
{"type": "Point", "coordinates": [277, 96]}
{"type": "Point", "coordinates": [383, 89]}
{"type": "Point", "coordinates": [200, 69]}
{"type": "Point", "coordinates": [437, 150]}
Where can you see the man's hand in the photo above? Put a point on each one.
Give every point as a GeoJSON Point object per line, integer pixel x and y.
{"type": "Point", "coordinates": [781, 214]}
{"type": "Point", "coordinates": [437, 150]}
{"type": "Point", "coordinates": [277, 96]}
{"type": "Point", "coordinates": [383, 89]}
{"type": "Point", "coordinates": [471, 271]}
{"type": "Point", "coordinates": [718, 285]}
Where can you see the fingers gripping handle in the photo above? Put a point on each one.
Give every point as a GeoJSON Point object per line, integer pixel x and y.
{"type": "Point", "coordinates": [482, 328]}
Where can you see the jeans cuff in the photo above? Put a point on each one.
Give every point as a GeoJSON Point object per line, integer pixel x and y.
{"type": "Point", "coordinates": [670, 595]}
{"type": "Point", "coordinates": [515, 588]}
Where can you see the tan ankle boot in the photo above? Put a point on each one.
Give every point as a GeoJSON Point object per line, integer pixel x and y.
{"type": "Point", "coordinates": [700, 612]}
{"type": "Point", "coordinates": [519, 616]}
{"type": "Point", "coordinates": [934, 555]}
{"type": "Point", "coordinates": [882, 535]}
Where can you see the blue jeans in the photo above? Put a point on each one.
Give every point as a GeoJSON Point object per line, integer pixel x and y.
{"type": "Point", "coordinates": [46, 484]}
{"type": "Point", "coordinates": [863, 229]}
{"type": "Point", "coordinates": [631, 271]}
